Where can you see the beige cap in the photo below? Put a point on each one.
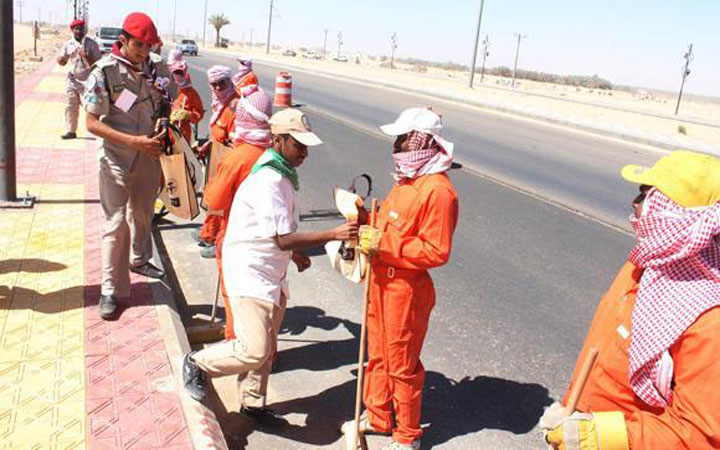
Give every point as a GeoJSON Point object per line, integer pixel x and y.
{"type": "Point", "coordinates": [295, 123]}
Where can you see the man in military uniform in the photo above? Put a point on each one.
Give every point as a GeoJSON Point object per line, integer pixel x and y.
{"type": "Point", "coordinates": [81, 52]}
{"type": "Point", "coordinates": [127, 92]}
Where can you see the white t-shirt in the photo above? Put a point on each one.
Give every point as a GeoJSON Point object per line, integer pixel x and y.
{"type": "Point", "coordinates": [254, 266]}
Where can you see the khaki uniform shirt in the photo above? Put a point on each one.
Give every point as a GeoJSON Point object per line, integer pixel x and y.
{"type": "Point", "coordinates": [79, 68]}
{"type": "Point", "coordinates": [104, 97]}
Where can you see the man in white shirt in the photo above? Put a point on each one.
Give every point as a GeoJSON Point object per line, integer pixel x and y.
{"type": "Point", "coordinates": [261, 240]}
{"type": "Point", "coordinates": [81, 52]}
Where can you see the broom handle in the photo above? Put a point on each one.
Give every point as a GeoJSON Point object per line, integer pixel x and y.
{"type": "Point", "coordinates": [363, 332]}
{"type": "Point", "coordinates": [582, 378]}
{"type": "Point", "coordinates": [217, 294]}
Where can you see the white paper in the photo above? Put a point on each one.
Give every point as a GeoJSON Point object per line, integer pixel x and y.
{"type": "Point", "coordinates": [125, 100]}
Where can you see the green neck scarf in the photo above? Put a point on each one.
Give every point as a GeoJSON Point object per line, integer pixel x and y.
{"type": "Point", "coordinates": [275, 161]}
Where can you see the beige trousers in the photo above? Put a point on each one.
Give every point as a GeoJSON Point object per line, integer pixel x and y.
{"type": "Point", "coordinates": [256, 324]}
{"type": "Point", "coordinates": [73, 93]}
{"type": "Point", "coordinates": [128, 201]}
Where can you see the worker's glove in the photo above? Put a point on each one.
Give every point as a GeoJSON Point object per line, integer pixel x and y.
{"type": "Point", "coordinates": [179, 115]}
{"type": "Point", "coordinates": [369, 240]}
{"type": "Point", "coordinates": [582, 431]}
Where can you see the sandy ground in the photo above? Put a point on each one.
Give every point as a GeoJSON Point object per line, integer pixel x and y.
{"type": "Point", "coordinates": [48, 46]}
{"type": "Point", "coordinates": [645, 113]}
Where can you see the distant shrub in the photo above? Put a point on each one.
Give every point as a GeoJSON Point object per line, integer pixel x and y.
{"type": "Point", "coordinates": [682, 129]}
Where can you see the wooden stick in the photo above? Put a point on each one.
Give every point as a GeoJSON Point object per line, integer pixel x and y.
{"type": "Point", "coordinates": [363, 331]}
{"type": "Point", "coordinates": [580, 382]}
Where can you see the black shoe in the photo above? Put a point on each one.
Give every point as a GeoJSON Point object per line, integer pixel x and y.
{"type": "Point", "coordinates": [107, 307]}
{"type": "Point", "coordinates": [195, 234]}
{"type": "Point", "coordinates": [194, 379]}
{"type": "Point", "coordinates": [208, 252]}
{"type": "Point", "coordinates": [148, 270]}
{"type": "Point", "coordinates": [69, 135]}
{"type": "Point", "coordinates": [263, 416]}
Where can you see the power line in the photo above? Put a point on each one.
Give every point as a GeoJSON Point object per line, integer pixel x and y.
{"type": "Point", "coordinates": [686, 71]}
{"type": "Point", "coordinates": [517, 55]}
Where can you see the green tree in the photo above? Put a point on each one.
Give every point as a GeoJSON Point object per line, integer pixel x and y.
{"type": "Point", "coordinates": [218, 21]}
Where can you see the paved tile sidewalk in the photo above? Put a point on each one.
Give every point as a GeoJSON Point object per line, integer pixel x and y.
{"type": "Point", "coordinates": [67, 378]}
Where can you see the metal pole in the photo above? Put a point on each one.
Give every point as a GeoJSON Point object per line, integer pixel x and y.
{"type": "Point", "coordinates": [686, 71]}
{"type": "Point", "coordinates": [486, 42]}
{"type": "Point", "coordinates": [267, 46]}
{"type": "Point", "coordinates": [517, 54]}
{"type": "Point", "coordinates": [475, 48]}
{"type": "Point", "coordinates": [204, 22]}
{"type": "Point", "coordinates": [325, 43]}
{"type": "Point", "coordinates": [174, 21]}
{"type": "Point", "coordinates": [7, 106]}
{"type": "Point", "coordinates": [251, 32]}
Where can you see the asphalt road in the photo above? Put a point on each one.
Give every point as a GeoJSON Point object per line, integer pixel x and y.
{"type": "Point", "coordinates": [514, 302]}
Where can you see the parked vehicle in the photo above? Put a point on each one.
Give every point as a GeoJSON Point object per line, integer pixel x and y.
{"type": "Point", "coordinates": [341, 58]}
{"type": "Point", "coordinates": [311, 54]}
{"type": "Point", "coordinates": [188, 46]}
{"type": "Point", "coordinates": [106, 37]}
{"type": "Point", "coordinates": [289, 52]}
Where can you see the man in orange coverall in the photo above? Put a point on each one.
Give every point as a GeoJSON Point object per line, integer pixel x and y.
{"type": "Point", "coordinates": [252, 138]}
{"type": "Point", "coordinates": [413, 234]}
{"type": "Point", "coordinates": [187, 108]}
{"type": "Point", "coordinates": [654, 384]}
{"type": "Point", "coordinates": [222, 121]}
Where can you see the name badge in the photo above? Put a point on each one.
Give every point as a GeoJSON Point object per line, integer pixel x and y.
{"type": "Point", "coordinates": [125, 101]}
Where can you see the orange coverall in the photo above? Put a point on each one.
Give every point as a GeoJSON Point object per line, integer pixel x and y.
{"type": "Point", "coordinates": [189, 100]}
{"type": "Point", "coordinates": [232, 170]}
{"type": "Point", "coordinates": [417, 219]}
{"type": "Point", "coordinates": [692, 420]}
{"type": "Point", "coordinates": [220, 131]}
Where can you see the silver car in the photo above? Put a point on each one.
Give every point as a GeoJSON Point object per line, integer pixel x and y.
{"type": "Point", "coordinates": [188, 46]}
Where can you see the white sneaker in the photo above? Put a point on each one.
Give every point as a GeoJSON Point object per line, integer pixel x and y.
{"type": "Point", "coordinates": [348, 428]}
{"type": "Point", "coordinates": [393, 445]}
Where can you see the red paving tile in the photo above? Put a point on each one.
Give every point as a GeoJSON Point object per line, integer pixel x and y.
{"type": "Point", "coordinates": [39, 165]}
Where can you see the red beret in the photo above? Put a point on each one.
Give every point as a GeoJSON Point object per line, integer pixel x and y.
{"type": "Point", "coordinates": [141, 27]}
{"type": "Point", "coordinates": [77, 23]}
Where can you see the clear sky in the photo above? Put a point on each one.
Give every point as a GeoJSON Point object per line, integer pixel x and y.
{"type": "Point", "coordinates": [636, 42]}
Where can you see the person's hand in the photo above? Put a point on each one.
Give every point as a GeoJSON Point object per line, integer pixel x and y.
{"type": "Point", "coordinates": [346, 232]}
{"type": "Point", "coordinates": [203, 150]}
{"type": "Point", "coordinates": [301, 261]}
{"type": "Point", "coordinates": [153, 146]}
{"type": "Point", "coordinates": [369, 241]}
{"type": "Point", "coordinates": [582, 431]}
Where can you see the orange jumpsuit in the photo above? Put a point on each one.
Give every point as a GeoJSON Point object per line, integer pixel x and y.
{"type": "Point", "coordinates": [417, 219]}
{"type": "Point", "coordinates": [692, 420]}
{"type": "Point", "coordinates": [232, 170]}
{"type": "Point", "coordinates": [220, 131]}
{"type": "Point", "coordinates": [189, 100]}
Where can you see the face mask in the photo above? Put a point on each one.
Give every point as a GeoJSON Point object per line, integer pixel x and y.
{"type": "Point", "coordinates": [178, 78]}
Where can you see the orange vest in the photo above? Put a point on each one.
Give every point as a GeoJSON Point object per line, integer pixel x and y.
{"type": "Point", "coordinates": [692, 421]}
{"type": "Point", "coordinates": [223, 126]}
{"type": "Point", "coordinates": [189, 100]}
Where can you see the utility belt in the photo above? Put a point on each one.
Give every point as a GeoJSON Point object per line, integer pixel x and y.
{"type": "Point", "coordinates": [390, 272]}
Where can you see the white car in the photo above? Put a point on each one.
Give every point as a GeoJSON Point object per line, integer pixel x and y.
{"type": "Point", "coordinates": [106, 37]}
{"type": "Point", "coordinates": [311, 54]}
{"type": "Point", "coordinates": [187, 46]}
{"type": "Point", "coordinates": [341, 58]}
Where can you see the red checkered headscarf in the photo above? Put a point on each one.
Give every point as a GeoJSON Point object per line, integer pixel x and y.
{"type": "Point", "coordinates": [678, 249]}
{"type": "Point", "coordinates": [425, 156]}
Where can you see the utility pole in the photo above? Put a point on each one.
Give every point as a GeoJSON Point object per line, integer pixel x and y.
{"type": "Point", "coordinates": [325, 43]}
{"type": "Point", "coordinates": [340, 42]}
{"type": "Point", "coordinates": [686, 71]}
{"type": "Point", "coordinates": [251, 41]}
{"type": "Point", "coordinates": [7, 105]}
{"type": "Point", "coordinates": [517, 55]}
{"type": "Point", "coordinates": [204, 21]}
{"type": "Point", "coordinates": [393, 46]}
{"type": "Point", "coordinates": [19, 7]}
{"type": "Point", "coordinates": [475, 48]}
{"type": "Point", "coordinates": [486, 44]}
{"type": "Point", "coordinates": [174, 21]}
{"type": "Point", "coordinates": [75, 9]}
{"type": "Point", "coordinates": [267, 46]}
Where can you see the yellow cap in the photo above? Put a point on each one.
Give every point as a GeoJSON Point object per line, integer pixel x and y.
{"type": "Point", "coordinates": [690, 179]}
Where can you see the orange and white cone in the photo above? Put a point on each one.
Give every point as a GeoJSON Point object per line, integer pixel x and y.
{"type": "Point", "coordinates": [283, 90]}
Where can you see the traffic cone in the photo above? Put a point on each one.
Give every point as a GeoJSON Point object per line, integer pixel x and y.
{"type": "Point", "coordinates": [283, 90]}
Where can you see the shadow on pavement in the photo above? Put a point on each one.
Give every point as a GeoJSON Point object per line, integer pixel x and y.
{"type": "Point", "coordinates": [452, 408]}
{"type": "Point", "coordinates": [30, 265]}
